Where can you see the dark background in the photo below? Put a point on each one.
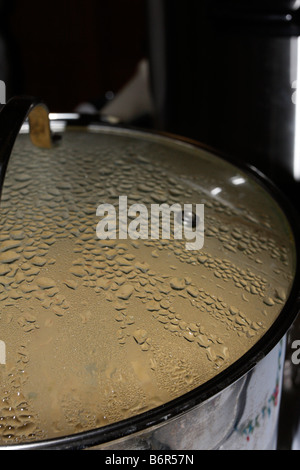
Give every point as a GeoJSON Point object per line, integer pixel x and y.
{"type": "Point", "coordinates": [72, 50]}
{"type": "Point", "coordinates": [221, 73]}
{"type": "Point", "coordinates": [220, 69]}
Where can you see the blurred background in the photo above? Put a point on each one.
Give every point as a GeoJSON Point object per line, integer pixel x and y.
{"type": "Point", "coordinates": [71, 50]}
{"type": "Point", "coordinates": [224, 72]}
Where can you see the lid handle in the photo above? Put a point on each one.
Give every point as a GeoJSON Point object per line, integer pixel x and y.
{"type": "Point", "coordinates": [12, 116]}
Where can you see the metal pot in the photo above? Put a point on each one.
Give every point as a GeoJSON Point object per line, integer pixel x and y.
{"type": "Point", "coordinates": [237, 407]}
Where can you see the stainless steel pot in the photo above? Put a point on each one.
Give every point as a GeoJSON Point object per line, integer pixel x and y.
{"type": "Point", "coordinates": [238, 407]}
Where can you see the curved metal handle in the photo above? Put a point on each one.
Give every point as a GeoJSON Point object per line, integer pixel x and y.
{"type": "Point", "coordinates": [12, 116]}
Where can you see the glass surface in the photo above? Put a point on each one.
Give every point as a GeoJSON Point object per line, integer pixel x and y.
{"type": "Point", "coordinates": [94, 331]}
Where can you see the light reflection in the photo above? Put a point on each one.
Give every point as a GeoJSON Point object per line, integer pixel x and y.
{"type": "Point", "coordinates": [236, 180]}
{"type": "Point", "coordinates": [55, 126]}
{"type": "Point", "coordinates": [216, 191]}
{"type": "Point", "coordinates": [63, 116]}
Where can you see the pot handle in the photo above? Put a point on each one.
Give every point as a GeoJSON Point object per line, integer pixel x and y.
{"type": "Point", "coordinates": [12, 116]}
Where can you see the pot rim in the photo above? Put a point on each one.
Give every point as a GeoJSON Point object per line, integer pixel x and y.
{"type": "Point", "coordinates": [178, 406]}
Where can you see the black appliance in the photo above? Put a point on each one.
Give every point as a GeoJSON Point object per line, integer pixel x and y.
{"type": "Point", "coordinates": [225, 72]}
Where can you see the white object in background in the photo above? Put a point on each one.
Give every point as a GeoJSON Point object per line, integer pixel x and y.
{"type": "Point", "coordinates": [131, 102]}
{"type": "Point", "coordinates": [134, 99]}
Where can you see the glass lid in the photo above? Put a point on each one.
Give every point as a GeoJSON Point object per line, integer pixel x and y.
{"type": "Point", "coordinates": [134, 268]}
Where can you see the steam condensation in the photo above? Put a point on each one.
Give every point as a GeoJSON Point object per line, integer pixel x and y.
{"type": "Point", "coordinates": [96, 331]}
